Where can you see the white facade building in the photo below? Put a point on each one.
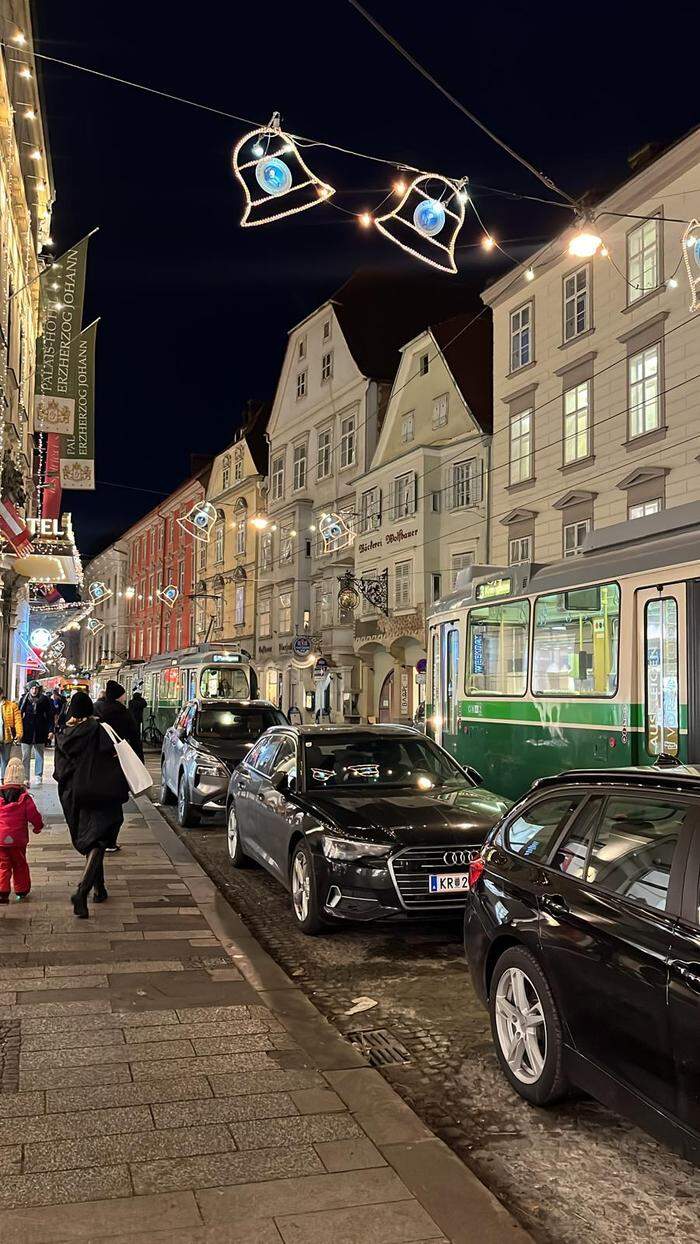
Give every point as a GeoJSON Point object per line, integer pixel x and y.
{"type": "Point", "coordinates": [110, 645]}
{"type": "Point", "coordinates": [422, 507]}
{"type": "Point", "coordinates": [596, 364]}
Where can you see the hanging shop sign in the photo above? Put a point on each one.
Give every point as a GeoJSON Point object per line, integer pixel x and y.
{"type": "Point", "coordinates": [321, 668]}
{"type": "Point", "coordinates": [301, 646]}
{"type": "Point", "coordinates": [62, 289]}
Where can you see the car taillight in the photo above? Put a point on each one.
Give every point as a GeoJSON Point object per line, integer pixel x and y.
{"type": "Point", "coordinates": [476, 869]}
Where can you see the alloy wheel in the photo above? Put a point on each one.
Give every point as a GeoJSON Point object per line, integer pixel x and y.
{"type": "Point", "coordinates": [520, 1025]}
{"type": "Point", "coordinates": [301, 886]}
{"type": "Point", "coordinates": [182, 800]}
{"type": "Point", "coordinates": [232, 833]}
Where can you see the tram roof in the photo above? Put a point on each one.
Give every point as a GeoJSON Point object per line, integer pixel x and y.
{"type": "Point", "coordinates": [669, 538]}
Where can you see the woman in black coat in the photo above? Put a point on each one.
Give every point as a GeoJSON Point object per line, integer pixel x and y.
{"type": "Point", "coordinates": [92, 790]}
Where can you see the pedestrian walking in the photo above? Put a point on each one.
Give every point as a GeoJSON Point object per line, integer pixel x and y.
{"type": "Point", "coordinates": [11, 728]}
{"type": "Point", "coordinates": [37, 720]}
{"type": "Point", "coordinates": [17, 812]}
{"type": "Point", "coordinates": [59, 711]}
{"type": "Point", "coordinates": [110, 707]}
{"type": "Point", "coordinates": [92, 790]}
{"type": "Point", "coordinates": [137, 707]}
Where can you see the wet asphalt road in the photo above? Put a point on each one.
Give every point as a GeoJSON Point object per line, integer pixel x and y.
{"type": "Point", "coordinates": [574, 1174]}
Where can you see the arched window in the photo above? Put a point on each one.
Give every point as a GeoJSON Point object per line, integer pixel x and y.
{"type": "Point", "coordinates": [226, 471]}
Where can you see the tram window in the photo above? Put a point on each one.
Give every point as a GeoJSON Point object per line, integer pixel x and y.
{"type": "Point", "coordinates": [662, 698]}
{"type": "Point", "coordinates": [576, 642]}
{"type": "Point", "coordinates": [497, 649]}
{"type": "Point", "coordinates": [222, 683]}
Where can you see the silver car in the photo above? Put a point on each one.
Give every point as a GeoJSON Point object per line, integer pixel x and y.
{"type": "Point", "coordinates": [202, 748]}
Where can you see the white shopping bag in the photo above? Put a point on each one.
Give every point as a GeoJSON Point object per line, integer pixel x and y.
{"type": "Point", "coordinates": [137, 776]}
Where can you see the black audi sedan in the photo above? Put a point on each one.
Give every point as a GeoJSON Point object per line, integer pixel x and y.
{"type": "Point", "coordinates": [359, 822]}
{"type": "Point", "coordinates": [582, 932]}
{"type": "Point", "coordinates": [206, 741]}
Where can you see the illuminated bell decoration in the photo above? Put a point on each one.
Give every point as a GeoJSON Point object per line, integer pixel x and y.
{"type": "Point", "coordinates": [99, 591]}
{"type": "Point", "coordinates": [691, 259]}
{"type": "Point", "coordinates": [168, 595]}
{"type": "Point", "coordinates": [335, 532]}
{"type": "Point", "coordinates": [276, 180]}
{"type": "Point", "coordinates": [427, 220]}
{"type": "Point", "coordinates": [199, 520]}
{"type": "Point", "coordinates": [94, 626]}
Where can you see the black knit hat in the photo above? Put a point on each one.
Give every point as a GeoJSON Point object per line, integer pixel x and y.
{"type": "Point", "coordinates": [80, 705]}
{"type": "Point", "coordinates": [113, 690]}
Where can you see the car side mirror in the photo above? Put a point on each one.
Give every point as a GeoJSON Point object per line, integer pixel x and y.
{"type": "Point", "coordinates": [285, 783]}
{"type": "Point", "coordinates": [474, 775]}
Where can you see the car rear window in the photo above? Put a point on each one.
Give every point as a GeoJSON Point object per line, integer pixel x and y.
{"type": "Point", "coordinates": [236, 723]}
{"type": "Point", "coordinates": [533, 830]}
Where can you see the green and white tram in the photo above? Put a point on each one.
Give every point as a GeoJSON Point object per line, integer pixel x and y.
{"type": "Point", "coordinates": [209, 671]}
{"type": "Point", "coordinates": [589, 662]}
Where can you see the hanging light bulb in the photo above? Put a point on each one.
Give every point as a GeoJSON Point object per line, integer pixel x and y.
{"type": "Point", "coordinates": [30, 115]}
{"type": "Point", "coordinates": [399, 186]}
{"type": "Point", "coordinates": [604, 252]}
{"type": "Point", "coordinates": [529, 274]}
{"type": "Point", "coordinates": [488, 242]}
{"type": "Point", "coordinates": [25, 72]}
{"type": "Point", "coordinates": [365, 219]}
{"type": "Point", "coordinates": [259, 522]}
{"type": "Point", "coordinates": [585, 242]}
{"type": "Point", "coordinates": [672, 283]}
{"type": "Point", "coordinates": [35, 154]}
{"type": "Point", "coordinates": [20, 39]}
{"type": "Point", "coordinates": [257, 150]}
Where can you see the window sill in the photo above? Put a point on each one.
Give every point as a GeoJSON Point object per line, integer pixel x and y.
{"type": "Point", "coordinates": [518, 371]}
{"type": "Point", "coordinates": [522, 485]}
{"type": "Point", "coordinates": [645, 298]}
{"type": "Point", "coordinates": [349, 466]}
{"type": "Point", "coordinates": [568, 467]}
{"type": "Point", "coordinates": [573, 341]}
{"type": "Point", "coordinates": [647, 438]}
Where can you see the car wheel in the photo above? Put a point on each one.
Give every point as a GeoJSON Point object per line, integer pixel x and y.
{"type": "Point", "coordinates": [166, 795]}
{"type": "Point", "coordinates": [185, 814]}
{"type": "Point", "coordinates": [233, 839]}
{"type": "Point", "coordinates": [305, 903]}
{"type": "Point", "coordinates": [526, 1028]}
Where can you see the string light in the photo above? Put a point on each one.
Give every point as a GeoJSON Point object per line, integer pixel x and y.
{"type": "Point", "coordinates": [672, 283]}
{"type": "Point", "coordinates": [691, 259]}
{"type": "Point", "coordinates": [488, 242]}
{"type": "Point", "coordinates": [35, 154]}
{"type": "Point", "coordinates": [585, 243]}
{"type": "Point", "coordinates": [365, 219]}
{"type": "Point", "coordinates": [399, 186]}
{"type": "Point", "coordinates": [20, 39]}
{"type": "Point", "coordinates": [259, 521]}
{"type": "Point", "coordinates": [25, 72]}
{"type": "Point", "coordinates": [604, 252]}
{"type": "Point", "coordinates": [30, 115]}
{"type": "Point", "coordinates": [529, 274]}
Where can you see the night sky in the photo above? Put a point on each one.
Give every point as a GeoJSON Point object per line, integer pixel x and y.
{"type": "Point", "coordinates": [194, 309]}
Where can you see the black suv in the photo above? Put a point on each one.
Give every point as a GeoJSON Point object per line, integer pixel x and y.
{"type": "Point", "coordinates": [582, 932]}
{"type": "Point", "coordinates": [207, 741]}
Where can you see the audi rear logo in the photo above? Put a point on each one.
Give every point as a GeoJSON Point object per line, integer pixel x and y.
{"type": "Point", "coordinates": [457, 857]}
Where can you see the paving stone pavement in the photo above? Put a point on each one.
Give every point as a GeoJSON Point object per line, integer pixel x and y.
{"type": "Point", "coordinates": [162, 1079]}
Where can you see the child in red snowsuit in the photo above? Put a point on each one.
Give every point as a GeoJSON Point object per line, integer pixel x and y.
{"type": "Point", "coordinates": [17, 812]}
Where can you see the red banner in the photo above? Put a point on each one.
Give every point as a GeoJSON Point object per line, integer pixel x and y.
{"type": "Point", "coordinates": [51, 492]}
{"type": "Point", "coordinates": [14, 529]}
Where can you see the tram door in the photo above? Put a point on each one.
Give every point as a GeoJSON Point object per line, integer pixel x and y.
{"type": "Point", "coordinates": [449, 685]}
{"type": "Point", "coordinates": [661, 674]}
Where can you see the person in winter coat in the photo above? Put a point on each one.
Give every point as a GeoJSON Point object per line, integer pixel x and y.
{"type": "Point", "coordinates": [137, 708]}
{"type": "Point", "coordinates": [37, 719]}
{"type": "Point", "coordinates": [10, 729]}
{"type": "Point", "coordinates": [59, 711]}
{"type": "Point", "coordinates": [92, 790]}
{"type": "Point", "coordinates": [17, 812]}
{"type": "Point", "coordinates": [110, 707]}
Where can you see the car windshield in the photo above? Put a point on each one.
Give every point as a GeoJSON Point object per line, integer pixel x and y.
{"type": "Point", "coordinates": [235, 723]}
{"type": "Point", "coordinates": [377, 760]}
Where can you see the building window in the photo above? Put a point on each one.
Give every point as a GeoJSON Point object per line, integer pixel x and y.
{"type": "Point", "coordinates": [285, 613]}
{"type": "Point", "coordinates": [181, 576]}
{"type": "Point", "coordinates": [460, 561]}
{"type": "Point", "coordinates": [266, 551]}
{"type": "Point", "coordinates": [521, 337]}
{"type": "Point", "coordinates": [519, 550]}
{"type": "Point", "coordinates": [440, 411]}
{"type": "Point", "coordinates": [238, 466]}
{"type": "Point", "coordinates": [299, 467]}
{"type": "Point", "coordinates": [436, 587]}
{"type": "Point", "coordinates": [576, 303]}
{"type": "Point", "coordinates": [405, 495]}
{"type": "Point", "coordinates": [325, 450]}
{"type": "Point", "coordinates": [239, 605]}
{"type": "Point", "coordinates": [219, 543]}
{"type": "Point", "coordinates": [347, 442]}
{"type": "Point", "coordinates": [226, 473]}
{"type": "Point", "coordinates": [241, 531]}
{"type": "Point", "coordinates": [278, 477]}
{"type": "Point", "coordinates": [301, 384]}
{"type": "Point", "coordinates": [574, 536]}
{"type": "Point", "coordinates": [645, 508]}
{"type": "Point", "coordinates": [643, 268]}
{"type": "Point", "coordinates": [407, 427]}
{"type": "Point", "coordinates": [219, 612]}
{"type": "Point", "coordinates": [403, 584]}
{"type": "Point", "coordinates": [577, 422]}
{"type": "Point", "coordinates": [463, 479]}
{"type": "Point", "coordinates": [644, 399]}
{"type": "Point", "coordinates": [301, 348]}
{"type": "Point", "coordinates": [202, 555]}
{"type": "Point", "coordinates": [521, 447]}
{"type": "Point", "coordinates": [265, 617]}
{"type": "Point", "coordinates": [286, 544]}
{"type": "Point", "coordinates": [324, 606]}
{"type": "Point", "coordinates": [326, 366]}
{"type": "Point", "coordinates": [423, 364]}
{"type": "Point", "coordinates": [371, 510]}
{"type": "Point", "coordinates": [326, 333]}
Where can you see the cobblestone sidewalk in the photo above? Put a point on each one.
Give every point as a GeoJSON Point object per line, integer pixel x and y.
{"type": "Point", "coordinates": [162, 1079]}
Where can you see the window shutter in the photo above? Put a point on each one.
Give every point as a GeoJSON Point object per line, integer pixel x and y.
{"type": "Point", "coordinates": [415, 493]}
{"type": "Point", "coordinates": [476, 482]}
{"type": "Point", "coordinates": [379, 507]}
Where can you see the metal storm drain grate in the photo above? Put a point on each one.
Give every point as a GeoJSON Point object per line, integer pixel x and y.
{"type": "Point", "coordinates": [379, 1047]}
